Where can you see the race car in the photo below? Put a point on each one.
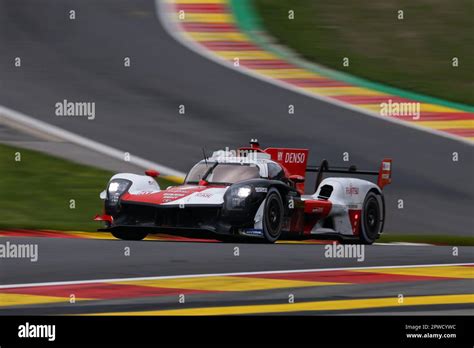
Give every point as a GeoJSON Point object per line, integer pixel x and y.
{"type": "Point", "coordinates": [249, 193]}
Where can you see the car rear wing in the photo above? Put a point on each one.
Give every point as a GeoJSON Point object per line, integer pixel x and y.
{"type": "Point", "coordinates": [292, 160]}
{"type": "Point", "coordinates": [384, 173]}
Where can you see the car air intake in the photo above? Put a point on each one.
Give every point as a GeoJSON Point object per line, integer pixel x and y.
{"type": "Point", "coordinates": [325, 192]}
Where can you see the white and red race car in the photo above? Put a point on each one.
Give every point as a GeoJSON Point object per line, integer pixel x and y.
{"type": "Point", "coordinates": [249, 193]}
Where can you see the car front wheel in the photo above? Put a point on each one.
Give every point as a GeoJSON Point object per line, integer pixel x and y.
{"type": "Point", "coordinates": [273, 216]}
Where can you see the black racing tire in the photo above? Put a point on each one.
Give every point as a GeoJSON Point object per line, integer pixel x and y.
{"type": "Point", "coordinates": [371, 220]}
{"type": "Point", "coordinates": [130, 235]}
{"type": "Point", "coordinates": [273, 214]}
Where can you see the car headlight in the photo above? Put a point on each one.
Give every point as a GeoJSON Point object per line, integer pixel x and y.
{"type": "Point", "coordinates": [116, 188]}
{"type": "Point", "coordinates": [239, 196]}
{"type": "Point", "coordinates": [244, 192]}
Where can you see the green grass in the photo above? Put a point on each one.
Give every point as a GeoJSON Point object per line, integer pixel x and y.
{"type": "Point", "coordinates": [430, 239]}
{"type": "Point", "coordinates": [36, 192]}
{"type": "Point", "coordinates": [413, 54]}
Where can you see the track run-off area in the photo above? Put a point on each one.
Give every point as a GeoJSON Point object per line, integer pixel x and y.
{"type": "Point", "coordinates": [90, 273]}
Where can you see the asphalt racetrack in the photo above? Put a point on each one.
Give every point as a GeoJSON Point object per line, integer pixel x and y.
{"type": "Point", "coordinates": [214, 279]}
{"type": "Point", "coordinates": [137, 111]}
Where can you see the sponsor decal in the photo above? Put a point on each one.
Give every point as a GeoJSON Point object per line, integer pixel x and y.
{"type": "Point", "coordinates": [179, 192]}
{"type": "Point", "coordinates": [173, 195]}
{"type": "Point", "coordinates": [204, 194]}
{"type": "Point", "coordinates": [252, 232]}
{"type": "Point", "coordinates": [169, 197]}
{"type": "Point", "coordinates": [351, 190]}
{"type": "Point", "coordinates": [295, 157]}
{"type": "Point", "coordinates": [261, 189]}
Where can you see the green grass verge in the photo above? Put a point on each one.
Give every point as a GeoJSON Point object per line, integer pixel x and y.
{"type": "Point", "coordinates": [430, 239]}
{"type": "Point", "coordinates": [414, 53]}
{"type": "Point", "coordinates": [36, 191]}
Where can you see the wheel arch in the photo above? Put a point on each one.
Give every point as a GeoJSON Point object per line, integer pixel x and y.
{"type": "Point", "coordinates": [284, 191]}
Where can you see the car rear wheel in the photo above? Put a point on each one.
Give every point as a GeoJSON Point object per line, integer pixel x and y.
{"type": "Point", "coordinates": [273, 216]}
{"type": "Point", "coordinates": [371, 223]}
{"type": "Point", "coordinates": [130, 235]}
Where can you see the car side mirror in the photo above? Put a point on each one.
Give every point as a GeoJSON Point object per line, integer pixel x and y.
{"type": "Point", "coordinates": [103, 195]}
{"type": "Point", "coordinates": [296, 178]}
{"type": "Point", "coordinates": [151, 172]}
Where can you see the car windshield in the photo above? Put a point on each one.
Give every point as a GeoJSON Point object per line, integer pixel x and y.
{"type": "Point", "coordinates": [222, 173]}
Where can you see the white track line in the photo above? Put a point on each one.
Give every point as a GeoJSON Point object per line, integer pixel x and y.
{"type": "Point", "coordinates": [39, 126]}
{"type": "Point", "coordinates": [94, 281]}
{"type": "Point", "coordinates": [174, 30]}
